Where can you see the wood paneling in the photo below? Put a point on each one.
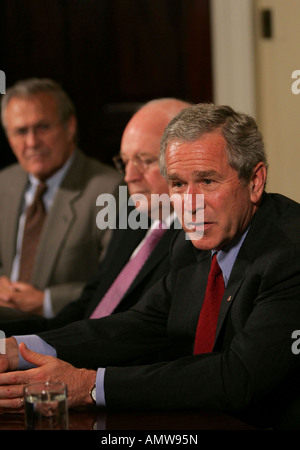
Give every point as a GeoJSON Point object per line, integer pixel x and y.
{"type": "Point", "coordinates": [110, 56]}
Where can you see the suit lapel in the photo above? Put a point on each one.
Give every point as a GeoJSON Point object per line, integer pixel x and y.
{"type": "Point", "coordinates": [251, 247]}
{"type": "Point", "coordinates": [122, 245]}
{"type": "Point", "coordinates": [125, 242]}
{"type": "Point", "coordinates": [189, 284]}
{"type": "Point", "coordinates": [60, 218]}
{"type": "Point", "coordinates": [13, 207]}
{"type": "Point", "coordinates": [235, 281]}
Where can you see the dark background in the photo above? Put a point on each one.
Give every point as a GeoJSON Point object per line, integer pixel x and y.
{"type": "Point", "coordinates": [110, 56]}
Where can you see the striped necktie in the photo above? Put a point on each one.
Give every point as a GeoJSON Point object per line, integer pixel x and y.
{"type": "Point", "coordinates": [125, 278]}
{"type": "Point", "coordinates": [35, 218]}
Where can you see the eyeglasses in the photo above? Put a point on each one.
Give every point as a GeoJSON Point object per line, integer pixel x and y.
{"type": "Point", "coordinates": [140, 161]}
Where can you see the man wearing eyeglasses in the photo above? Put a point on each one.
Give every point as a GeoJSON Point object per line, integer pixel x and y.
{"type": "Point", "coordinates": [138, 164]}
{"type": "Point", "coordinates": [45, 261]}
{"type": "Point", "coordinates": [138, 158]}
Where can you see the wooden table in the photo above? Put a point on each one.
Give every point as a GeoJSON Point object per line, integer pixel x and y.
{"type": "Point", "coordinates": [130, 420]}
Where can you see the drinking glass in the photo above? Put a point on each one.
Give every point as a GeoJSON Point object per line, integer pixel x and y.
{"type": "Point", "coordinates": [46, 406]}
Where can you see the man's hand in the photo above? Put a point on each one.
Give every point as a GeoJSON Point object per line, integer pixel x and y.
{"type": "Point", "coordinates": [22, 296]}
{"type": "Point", "coordinates": [9, 361]}
{"type": "Point", "coordinates": [6, 290]}
{"type": "Point", "coordinates": [79, 381]}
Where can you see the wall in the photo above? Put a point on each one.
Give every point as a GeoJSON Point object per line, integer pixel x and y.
{"type": "Point", "coordinates": [278, 109]}
{"type": "Point", "coordinates": [253, 72]}
{"type": "Point", "coordinates": [110, 56]}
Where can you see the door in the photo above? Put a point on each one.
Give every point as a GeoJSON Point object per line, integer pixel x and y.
{"type": "Point", "coordinates": [277, 39]}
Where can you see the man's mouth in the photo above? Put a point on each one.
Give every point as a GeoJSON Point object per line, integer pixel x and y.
{"type": "Point", "coordinates": [198, 226]}
{"type": "Point", "coordinates": [37, 154]}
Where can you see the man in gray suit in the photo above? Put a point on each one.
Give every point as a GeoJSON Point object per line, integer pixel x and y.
{"type": "Point", "coordinates": [138, 163]}
{"type": "Point", "coordinates": [40, 124]}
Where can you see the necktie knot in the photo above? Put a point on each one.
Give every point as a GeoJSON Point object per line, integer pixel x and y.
{"type": "Point", "coordinates": [215, 269]}
{"type": "Point", "coordinates": [40, 191]}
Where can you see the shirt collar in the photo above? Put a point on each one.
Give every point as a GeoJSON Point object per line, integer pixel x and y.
{"type": "Point", "coordinates": [227, 256]}
{"type": "Point", "coordinates": [57, 177]}
{"type": "Point", "coordinates": [52, 182]}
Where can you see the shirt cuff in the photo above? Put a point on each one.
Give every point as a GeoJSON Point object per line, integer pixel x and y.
{"type": "Point", "coordinates": [47, 307]}
{"type": "Point", "coordinates": [100, 395]}
{"type": "Point", "coordinates": [36, 344]}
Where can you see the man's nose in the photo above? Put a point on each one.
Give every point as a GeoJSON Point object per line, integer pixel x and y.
{"type": "Point", "coordinates": [31, 138]}
{"type": "Point", "coordinates": [193, 199]}
{"type": "Point", "coordinates": [132, 173]}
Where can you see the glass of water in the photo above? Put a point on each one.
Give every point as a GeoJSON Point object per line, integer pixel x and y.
{"type": "Point", "coordinates": [46, 406]}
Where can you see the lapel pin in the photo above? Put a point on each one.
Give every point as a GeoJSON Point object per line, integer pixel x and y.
{"type": "Point", "coordinates": [229, 298]}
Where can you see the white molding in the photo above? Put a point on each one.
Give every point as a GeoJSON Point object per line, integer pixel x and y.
{"type": "Point", "coordinates": [233, 57]}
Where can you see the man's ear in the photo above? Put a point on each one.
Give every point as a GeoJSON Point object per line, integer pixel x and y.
{"type": "Point", "coordinates": [258, 182]}
{"type": "Point", "coordinates": [72, 128]}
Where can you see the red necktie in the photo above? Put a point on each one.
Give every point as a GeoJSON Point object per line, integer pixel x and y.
{"type": "Point", "coordinates": [125, 278]}
{"type": "Point", "coordinates": [35, 219]}
{"type": "Point", "coordinates": [207, 324]}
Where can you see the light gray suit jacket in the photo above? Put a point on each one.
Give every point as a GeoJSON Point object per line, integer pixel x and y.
{"type": "Point", "coordinates": [71, 243]}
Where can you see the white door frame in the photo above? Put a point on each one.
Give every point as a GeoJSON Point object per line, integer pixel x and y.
{"type": "Point", "coordinates": [233, 58]}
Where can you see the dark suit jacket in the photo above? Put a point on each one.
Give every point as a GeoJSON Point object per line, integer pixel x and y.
{"type": "Point", "coordinates": [121, 247]}
{"type": "Point", "coordinates": [71, 243]}
{"type": "Point", "coordinates": [252, 369]}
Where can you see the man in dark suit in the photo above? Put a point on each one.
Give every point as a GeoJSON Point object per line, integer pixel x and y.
{"type": "Point", "coordinates": [138, 163]}
{"type": "Point", "coordinates": [159, 354]}
{"type": "Point", "coordinates": [40, 123]}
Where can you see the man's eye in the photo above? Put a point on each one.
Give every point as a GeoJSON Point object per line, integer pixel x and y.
{"type": "Point", "coordinates": [21, 131]}
{"type": "Point", "coordinates": [43, 127]}
{"type": "Point", "coordinates": [146, 161]}
{"type": "Point", "coordinates": [176, 184]}
{"type": "Point", "coordinates": [207, 181]}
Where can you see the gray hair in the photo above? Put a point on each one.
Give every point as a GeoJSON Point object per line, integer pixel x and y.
{"type": "Point", "coordinates": [245, 147]}
{"type": "Point", "coordinates": [28, 88]}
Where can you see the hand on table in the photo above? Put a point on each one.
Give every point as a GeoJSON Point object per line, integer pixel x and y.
{"type": "Point", "coordinates": [49, 368]}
